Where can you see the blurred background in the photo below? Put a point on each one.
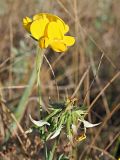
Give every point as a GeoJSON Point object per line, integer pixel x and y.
{"type": "Point", "coordinates": [91, 65]}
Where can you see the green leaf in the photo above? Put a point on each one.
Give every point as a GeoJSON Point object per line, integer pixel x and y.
{"type": "Point", "coordinates": [39, 123]}
{"type": "Point", "coordinates": [56, 133]}
{"type": "Point", "coordinates": [63, 157]}
{"type": "Point", "coordinates": [90, 125]}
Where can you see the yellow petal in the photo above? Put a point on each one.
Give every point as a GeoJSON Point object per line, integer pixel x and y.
{"type": "Point", "coordinates": [40, 16]}
{"type": "Point", "coordinates": [61, 25]}
{"type": "Point", "coordinates": [37, 28]}
{"type": "Point", "coordinates": [64, 28]}
{"type": "Point", "coordinates": [26, 23]}
{"type": "Point", "coordinates": [53, 31]}
{"type": "Point", "coordinates": [37, 16]}
{"type": "Point", "coordinates": [69, 40]}
{"type": "Point", "coordinates": [26, 20]}
{"type": "Point", "coordinates": [51, 18]}
{"type": "Point", "coordinates": [58, 46]}
{"type": "Point", "coordinates": [44, 42]}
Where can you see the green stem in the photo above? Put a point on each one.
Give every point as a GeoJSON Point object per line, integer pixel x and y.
{"type": "Point", "coordinates": [24, 99]}
{"type": "Point", "coordinates": [116, 147]}
{"type": "Point", "coordinates": [53, 150]}
{"type": "Point", "coordinates": [39, 61]}
{"type": "Point", "coordinates": [74, 152]}
{"type": "Point", "coordinates": [69, 124]}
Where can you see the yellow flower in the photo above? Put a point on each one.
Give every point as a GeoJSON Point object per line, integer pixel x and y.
{"type": "Point", "coordinates": [27, 22]}
{"type": "Point", "coordinates": [81, 138]}
{"type": "Point", "coordinates": [49, 30]}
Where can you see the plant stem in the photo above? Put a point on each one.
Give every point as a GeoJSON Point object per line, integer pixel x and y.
{"type": "Point", "coordinates": [39, 61]}
{"type": "Point", "coordinates": [53, 150]}
{"type": "Point", "coordinates": [24, 99]}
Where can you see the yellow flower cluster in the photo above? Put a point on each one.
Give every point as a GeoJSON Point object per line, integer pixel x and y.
{"type": "Point", "coordinates": [49, 30]}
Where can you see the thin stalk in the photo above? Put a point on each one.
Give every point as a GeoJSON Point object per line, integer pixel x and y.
{"type": "Point", "coordinates": [39, 61]}
{"type": "Point", "coordinates": [74, 152]}
{"type": "Point", "coordinates": [51, 156]}
{"type": "Point", "coordinates": [116, 146]}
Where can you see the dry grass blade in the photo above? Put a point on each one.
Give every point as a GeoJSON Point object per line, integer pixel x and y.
{"type": "Point", "coordinates": [89, 71]}
{"type": "Point", "coordinates": [80, 82]}
{"type": "Point", "coordinates": [14, 87]}
{"type": "Point", "coordinates": [6, 110]}
{"type": "Point", "coordinates": [95, 72]}
{"type": "Point", "coordinates": [98, 132]}
{"type": "Point", "coordinates": [85, 32]}
{"type": "Point", "coordinates": [14, 118]}
{"type": "Point", "coordinates": [95, 75]}
{"type": "Point", "coordinates": [109, 145]}
{"type": "Point", "coordinates": [104, 122]}
{"type": "Point", "coordinates": [103, 151]}
{"type": "Point", "coordinates": [56, 61]}
{"type": "Point", "coordinates": [53, 76]}
{"type": "Point", "coordinates": [102, 91]}
{"type": "Point", "coordinates": [65, 9]}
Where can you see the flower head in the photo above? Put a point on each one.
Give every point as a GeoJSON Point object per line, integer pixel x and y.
{"type": "Point", "coordinates": [49, 30]}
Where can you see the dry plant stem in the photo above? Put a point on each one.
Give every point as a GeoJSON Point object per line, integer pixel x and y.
{"type": "Point", "coordinates": [76, 54]}
{"type": "Point", "coordinates": [95, 72]}
{"type": "Point", "coordinates": [6, 109]}
{"type": "Point", "coordinates": [108, 146]}
{"type": "Point", "coordinates": [11, 46]}
{"type": "Point", "coordinates": [55, 62]}
{"type": "Point", "coordinates": [80, 82]}
{"type": "Point", "coordinates": [87, 149]}
{"type": "Point", "coordinates": [87, 89]}
{"type": "Point", "coordinates": [104, 152]}
{"type": "Point", "coordinates": [14, 87]}
{"type": "Point", "coordinates": [103, 124]}
{"type": "Point", "coordinates": [87, 102]}
{"type": "Point", "coordinates": [102, 91]}
{"type": "Point", "coordinates": [53, 76]}
{"type": "Point", "coordinates": [96, 148]}
{"type": "Point", "coordinates": [85, 33]}
{"type": "Point", "coordinates": [4, 62]}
